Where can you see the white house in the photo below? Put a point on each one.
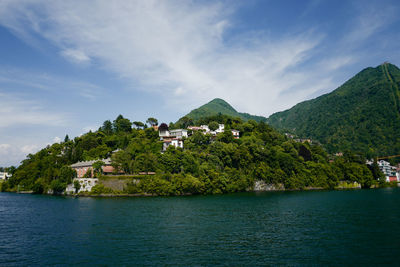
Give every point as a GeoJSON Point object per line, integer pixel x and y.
{"type": "Point", "coordinates": [172, 142]}
{"type": "Point", "coordinates": [235, 133]}
{"type": "Point", "coordinates": [172, 137]}
{"type": "Point", "coordinates": [389, 171]}
{"type": "Point", "coordinates": [4, 176]}
{"type": "Point", "coordinates": [178, 133]}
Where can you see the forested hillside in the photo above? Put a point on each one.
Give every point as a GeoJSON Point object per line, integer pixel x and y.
{"type": "Point", "coordinates": [215, 107]}
{"type": "Point", "coordinates": [362, 115]}
{"type": "Point", "coordinates": [206, 165]}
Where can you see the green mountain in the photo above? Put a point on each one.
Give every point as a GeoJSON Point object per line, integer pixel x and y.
{"type": "Point", "coordinates": [219, 106]}
{"type": "Point", "coordinates": [361, 115]}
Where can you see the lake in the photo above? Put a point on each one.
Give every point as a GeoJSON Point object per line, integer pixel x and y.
{"type": "Point", "coordinates": [355, 227]}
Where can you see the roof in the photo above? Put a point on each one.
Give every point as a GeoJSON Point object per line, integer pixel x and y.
{"type": "Point", "coordinates": [90, 163]}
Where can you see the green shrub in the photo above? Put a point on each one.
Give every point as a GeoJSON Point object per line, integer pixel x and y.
{"type": "Point", "coordinates": [101, 189]}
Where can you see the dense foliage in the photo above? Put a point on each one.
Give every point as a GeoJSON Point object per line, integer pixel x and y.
{"type": "Point", "coordinates": [212, 108]}
{"type": "Point", "coordinates": [362, 115]}
{"type": "Point", "coordinates": [207, 165]}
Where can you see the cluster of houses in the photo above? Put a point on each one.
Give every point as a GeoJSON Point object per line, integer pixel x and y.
{"type": "Point", "coordinates": [176, 137]}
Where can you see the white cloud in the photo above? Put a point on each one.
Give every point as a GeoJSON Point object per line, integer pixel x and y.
{"type": "Point", "coordinates": [89, 128]}
{"type": "Point", "coordinates": [75, 55]}
{"type": "Point", "coordinates": [57, 139]}
{"type": "Point", "coordinates": [29, 149]}
{"type": "Point", "coordinates": [13, 154]}
{"type": "Point", "coordinates": [179, 49]}
{"type": "Point", "coordinates": [171, 47]}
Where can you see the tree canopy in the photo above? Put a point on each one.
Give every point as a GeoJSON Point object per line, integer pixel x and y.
{"type": "Point", "coordinates": [206, 165]}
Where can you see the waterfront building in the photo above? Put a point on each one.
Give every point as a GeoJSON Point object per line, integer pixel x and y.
{"type": "Point", "coordinates": [83, 166]}
{"type": "Point", "coordinates": [389, 171]}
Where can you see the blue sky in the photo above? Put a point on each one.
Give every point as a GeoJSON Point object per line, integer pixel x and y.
{"type": "Point", "coordinates": [66, 66]}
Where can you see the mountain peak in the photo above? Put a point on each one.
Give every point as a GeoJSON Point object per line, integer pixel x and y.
{"type": "Point", "coordinates": [220, 106]}
{"type": "Point", "coordinates": [219, 102]}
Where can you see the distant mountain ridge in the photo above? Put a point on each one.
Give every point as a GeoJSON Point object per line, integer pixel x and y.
{"type": "Point", "coordinates": [220, 106]}
{"type": "Point", "coordinates": [361, 115]}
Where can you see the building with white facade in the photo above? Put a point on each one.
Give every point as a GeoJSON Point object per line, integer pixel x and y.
{"type": "Point", "coordinates": [86, 185]}
{"type": "Point", "coordinates": [389, 171]}
{"type": "Point", "coordinates": [178, 133]}
{"type": "Point", "coordinates": [172, 137]}
{"type": "Point", "coordinates": [4, 176]}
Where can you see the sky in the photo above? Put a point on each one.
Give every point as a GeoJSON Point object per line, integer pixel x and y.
{"type": "Point", "coordinates": [67, 66]}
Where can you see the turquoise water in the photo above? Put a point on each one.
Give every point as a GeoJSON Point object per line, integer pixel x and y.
{"type": "Point", "coordinates": [359, 227]}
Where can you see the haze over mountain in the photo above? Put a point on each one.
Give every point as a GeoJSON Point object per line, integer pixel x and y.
{"type": "Point", "coordinates": [220, 106]}
{"type": "Point", "coordinates": [361, 115]}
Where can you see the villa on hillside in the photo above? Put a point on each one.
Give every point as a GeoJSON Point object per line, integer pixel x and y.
{"type": "Point", "coordinates": [390, 172]}
{"type": "Point", "coordinates": [171, 137]}
{"type": "Point", "coordinates": [4, 176]}
{"type": "Point", "coordinates": [176, 137]}
{"type": "Point", "coordinates": [83, 166]}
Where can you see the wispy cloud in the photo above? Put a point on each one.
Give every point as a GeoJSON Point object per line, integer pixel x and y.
{"type": "Point", "coordinates": [180, 49]}
{"type": "Point", "coordinates": [15, 110]}
{"type": "Point", "coordinates": [75, 55]}
{"type": "Point", "coordinates": [48, 83]}
{"type": "Point", "coordinates": [176, 48]}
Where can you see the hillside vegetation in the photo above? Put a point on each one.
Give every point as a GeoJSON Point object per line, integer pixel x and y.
{"type": "Point", "coordinates": [361, 115]}
{"type": "Point", "coordinates": [204, 166]}
{"type": "Point", "coordinates": [215, 107]}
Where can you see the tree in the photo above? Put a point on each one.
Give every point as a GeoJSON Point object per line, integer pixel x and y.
{"type": "Point", "coordinates": [66, 174]}
{"type": "Point", "coordinates": [121, 161]}
{"type": "Point", "coordinates": [145, 162]}
{"type": "Point", "coordinates": [66, 139]}
{"type": "Point", "coordinates": [138, 124]}
{"type": "Point", "coordinates": [122, 124]}
{"type": "Point", "coordinates": [185, 122]}
{"type": "Point", "coordinates": [77, 186]}
{"type": "Point", "coordinates": [163, 127]}
{"type": "Point", "coordinates": [107, 127]}
{"type": "Point", "coordinates": [152, 121]}
{"type": "Point", "coordinates": [57, 186]}
{"type": "Point", "coordinates": [88, 173]}
{"type": "Point", "coordinates": [97, 168]}
{"type": "Point", "coordinates": [213, 125]}
{"type": "Point", "coordinates": [304, 152]}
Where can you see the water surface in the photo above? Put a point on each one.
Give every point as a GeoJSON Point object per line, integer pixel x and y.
{"type": "Point", "coordinates": [359, 227]}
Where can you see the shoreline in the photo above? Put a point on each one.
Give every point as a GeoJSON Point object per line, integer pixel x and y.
{"type": "Point", "coordinates": [258, 187]}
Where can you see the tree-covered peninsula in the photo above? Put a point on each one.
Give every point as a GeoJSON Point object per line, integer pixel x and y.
{"type": "Point", "coordinates": [206, 165]}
